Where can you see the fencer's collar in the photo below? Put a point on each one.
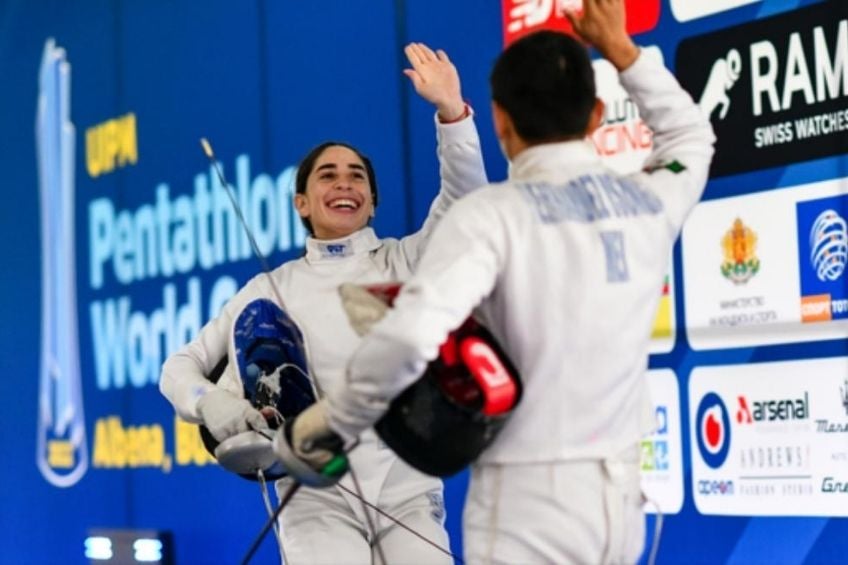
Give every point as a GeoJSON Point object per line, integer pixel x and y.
{"type": "Point", "coordinates": [362, 241]}
{"type": "Point", "coordinates": [550, 157]}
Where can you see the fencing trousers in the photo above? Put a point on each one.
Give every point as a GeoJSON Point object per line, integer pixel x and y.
{"type": "Point", "coordinates": [321, 526]}
{"type": "Point", "coordinates": [586, 512]}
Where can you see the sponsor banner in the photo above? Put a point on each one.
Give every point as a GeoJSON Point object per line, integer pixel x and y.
{"type": "Point", "coordinates": [521, 17]}
{"type": "Point", "coordinates": [752, 275]}
{"type": "Point", "coordinates": [685, 10]}
{"type": "Point", "coordinates": [770, 439]}
{"type": "Point", "coordinates": [623, 140]}
{"type": "Point", "coordinates": [775, 89]}
{"type": "Point", "coordinates": [158, 248]}
{"type": "Point", "coordinates": [823, 257]}
{"type": "Point", "coordinates": [662, 459]}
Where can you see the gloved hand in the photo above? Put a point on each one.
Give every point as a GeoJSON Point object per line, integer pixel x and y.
{"type": "Point", "coordinates": [226, 415]}
{"type": "Point", "coordinates": [310, 450]}
{"type": "Point", "coordinates": [362, 307]}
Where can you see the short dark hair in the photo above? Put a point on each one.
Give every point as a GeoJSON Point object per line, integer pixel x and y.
{"type": "Point", "coordinates": [307, 164]}
{"type": "Point", "coordinates": [545, 82]}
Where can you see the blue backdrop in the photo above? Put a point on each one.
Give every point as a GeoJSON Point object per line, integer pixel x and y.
{"type": "Point", "coordinates": [116, 265]}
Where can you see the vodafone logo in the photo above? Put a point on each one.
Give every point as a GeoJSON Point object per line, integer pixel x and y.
{"type": "Point", "coordinates": [713, 430]}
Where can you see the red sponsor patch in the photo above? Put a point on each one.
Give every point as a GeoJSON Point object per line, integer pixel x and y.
{"type": "Point", "coordinates": [521, 17]}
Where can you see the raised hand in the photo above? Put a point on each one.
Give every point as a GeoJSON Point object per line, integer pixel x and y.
{"type": "Point", "coordinates": [435, 79]}
{"type": "Point", "coordinates": [602, 24]}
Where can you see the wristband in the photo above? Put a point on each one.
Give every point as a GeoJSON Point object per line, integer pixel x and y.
{"type": "Point", "coordinates": [465, 113]}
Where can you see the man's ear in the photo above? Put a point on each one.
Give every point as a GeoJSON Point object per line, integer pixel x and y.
{"type": "Point", "coordinates": [301, 204]}
{"type": "Point", "coordinates": [511, 143]}
{"type": "Point", "coordinates": [596, 118]}
{"type": "Point", "coordinates": [502, 122]}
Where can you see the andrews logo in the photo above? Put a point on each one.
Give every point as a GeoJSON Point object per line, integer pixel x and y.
{"type": "Point", "coordinates": [713, 430]}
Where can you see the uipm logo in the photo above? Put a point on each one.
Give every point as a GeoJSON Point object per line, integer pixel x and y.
{"type": "Point", "coordinates": [62, 451]}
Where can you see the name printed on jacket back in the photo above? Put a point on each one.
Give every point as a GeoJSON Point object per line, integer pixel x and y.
{"type": "Point", "coordinates": [590, 198]}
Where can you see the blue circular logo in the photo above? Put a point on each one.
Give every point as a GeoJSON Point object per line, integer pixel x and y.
{"type": "Point", "coordinates": [829, 245]}
{"type": "Point", "coordinates": [713, 430]}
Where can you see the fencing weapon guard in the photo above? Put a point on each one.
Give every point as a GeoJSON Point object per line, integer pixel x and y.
{"type": "Point", "coordinates": [246, 453]}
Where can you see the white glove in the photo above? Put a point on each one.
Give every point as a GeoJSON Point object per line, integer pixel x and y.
{"type": "Point", "coordinates": [363, 309]}
{"type": "Point", "coordinates": [226, 415]}
{"type": "Point", "coordinates": [312, 439]}
{"type": "Point", "coordinates": [309, 450]}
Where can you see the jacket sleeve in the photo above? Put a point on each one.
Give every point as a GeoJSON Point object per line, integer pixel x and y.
{"type": "Point", "coordinates": [183, 380]}
{"type": "Point", "coordinates": [678, 166]}
{"type": "Point", "coordinates": [458, 270]}
{"type": "Point", "coordinates": [461, 171]}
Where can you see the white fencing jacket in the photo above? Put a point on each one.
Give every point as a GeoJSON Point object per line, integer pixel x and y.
{"type": "Point", "coordinates": [309, 288]}
{"type": "Point", "coordinates": [564, 263]}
